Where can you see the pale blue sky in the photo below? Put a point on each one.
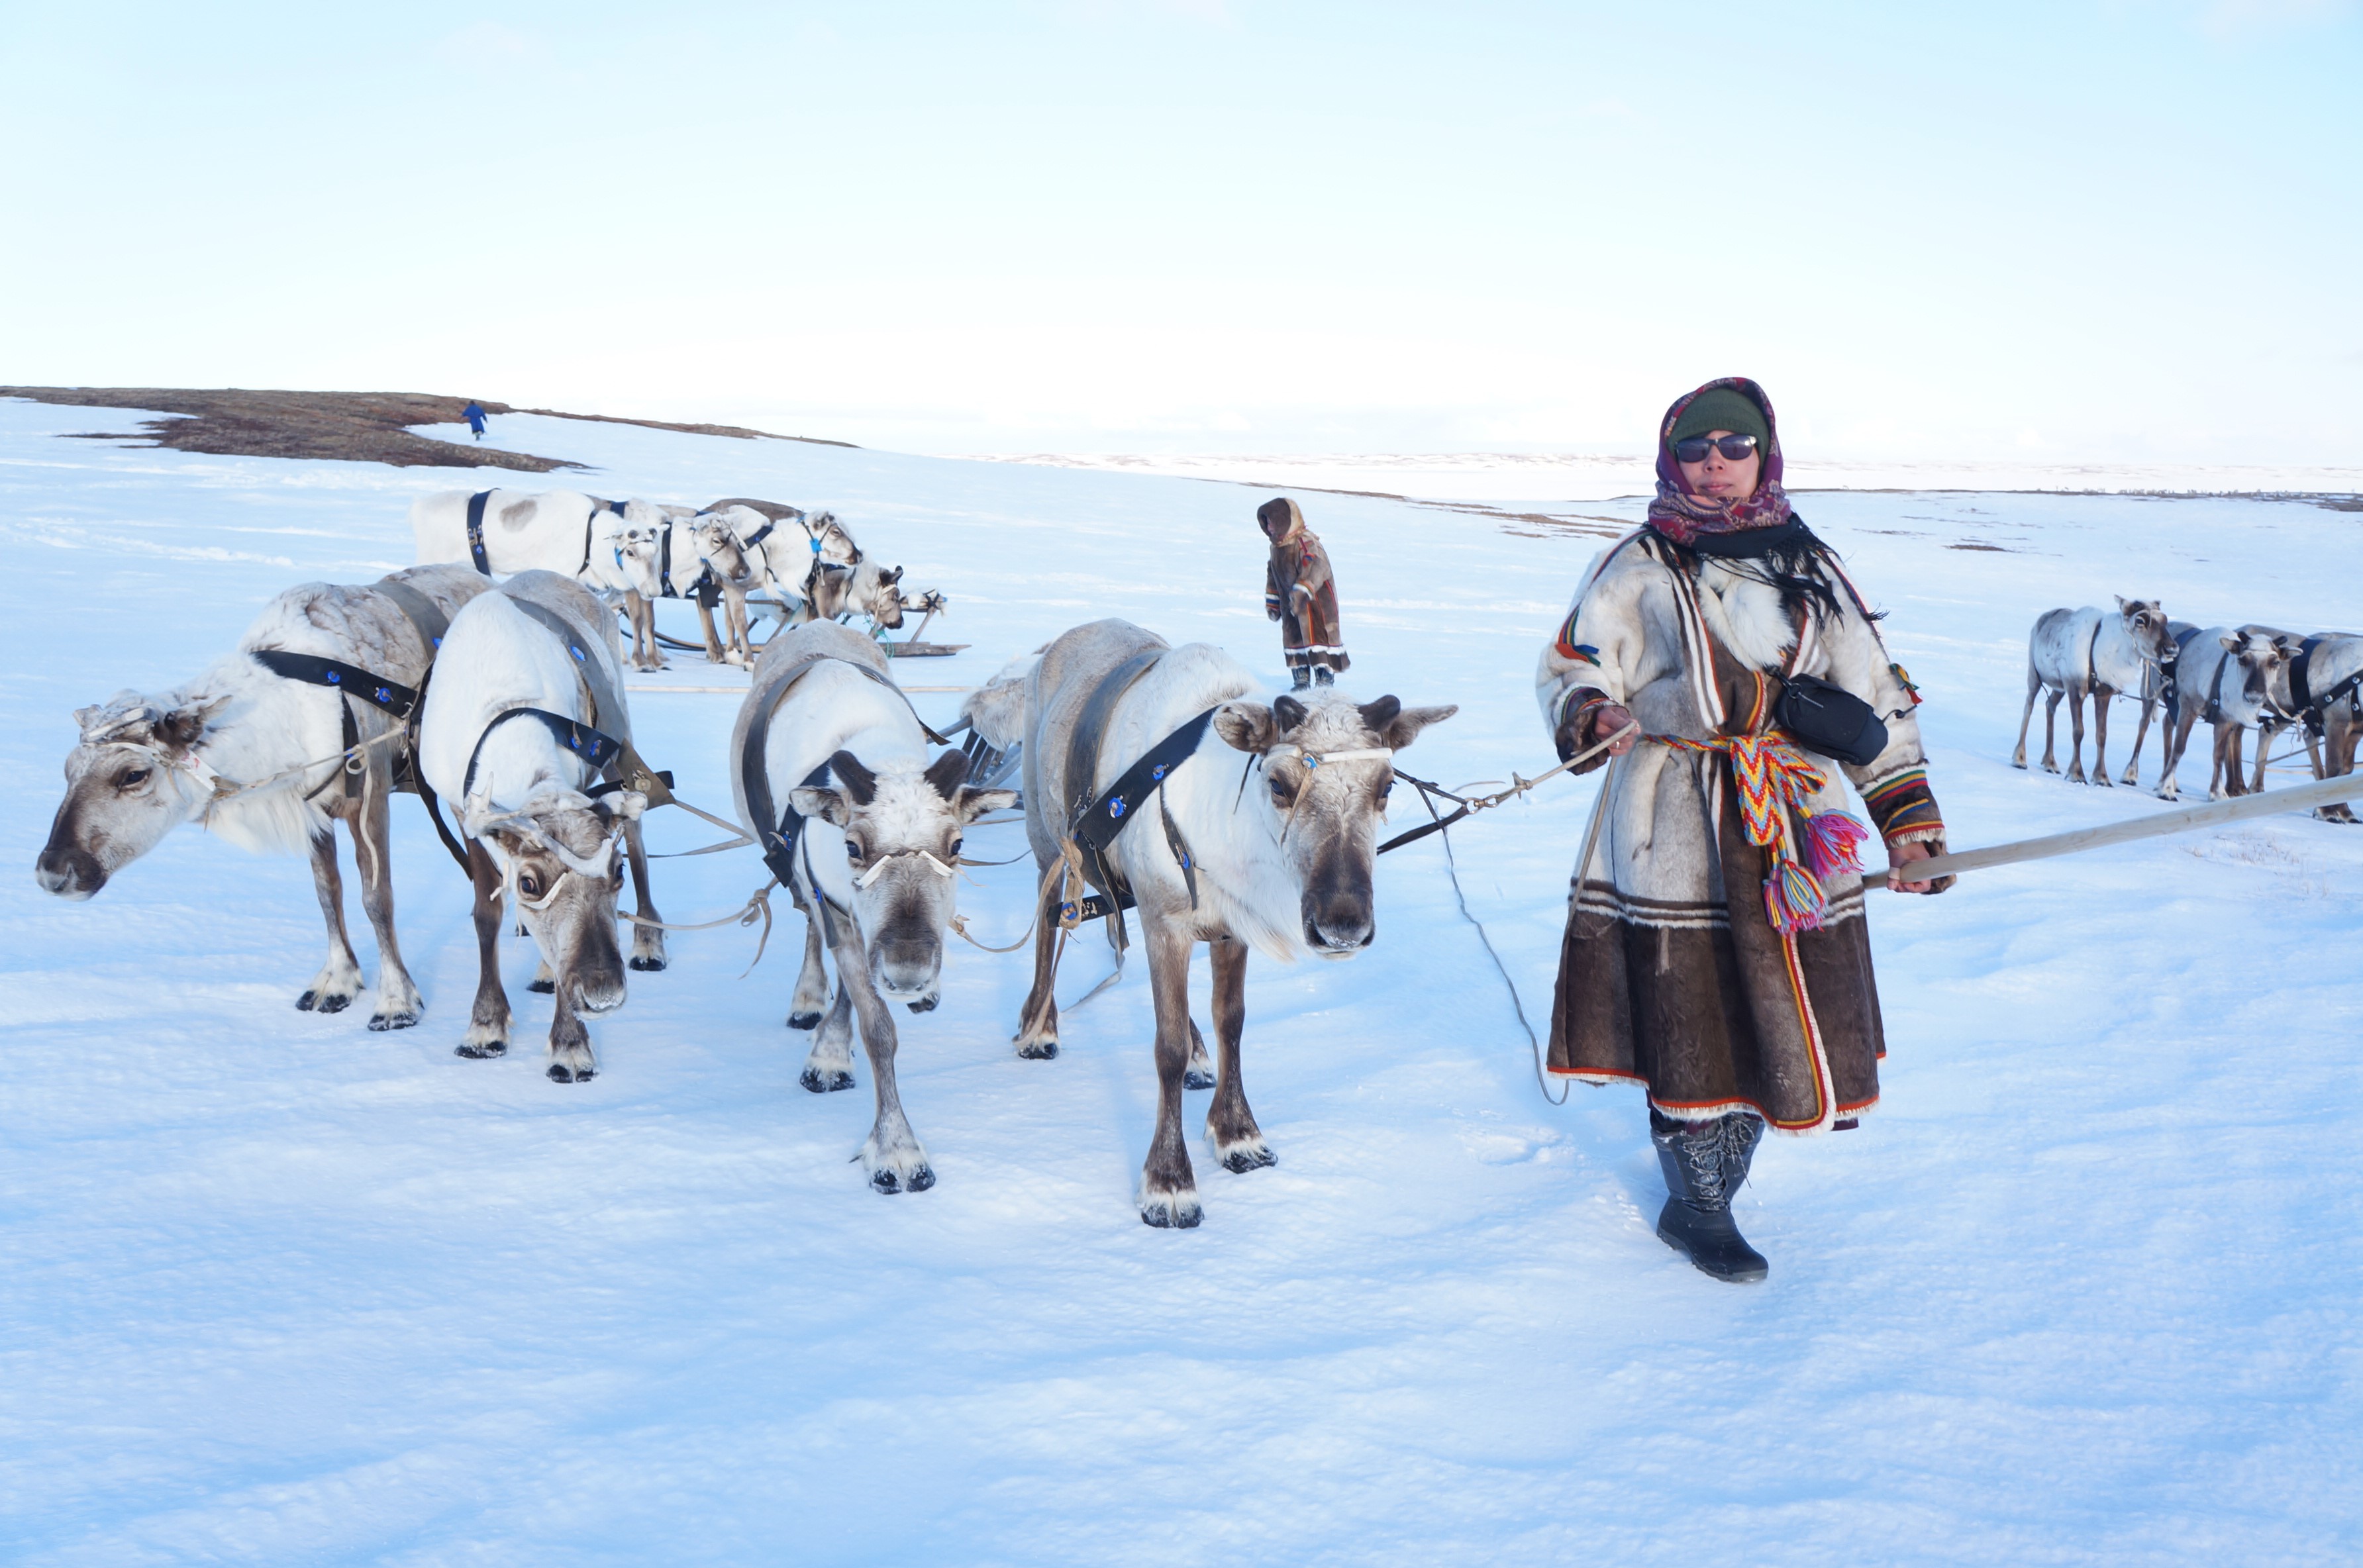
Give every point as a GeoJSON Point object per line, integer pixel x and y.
{"type": "Point", "coordinates": [2115, 231]}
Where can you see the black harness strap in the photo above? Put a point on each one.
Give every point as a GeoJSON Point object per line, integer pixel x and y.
{"type": "Point", "coordinates": [476, 531]}
{"type": "Point", "coordinates": [338, 676]}
{"type": "Point", "coordinates": [596, 747]}
{"type": "Point", "coordinates": [780, 846]}
{"type": "Point", "coordinates": [1434, 823]}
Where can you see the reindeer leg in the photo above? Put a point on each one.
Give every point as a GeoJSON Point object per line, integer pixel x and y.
{"type": "Point", "coordinates": [339, 979]}
{"type": "Point", "coordinates": [829, 1066]}
{"type": "Point", "coordinates": [2223, 777]}
{"type": "Point", "coordinates": [2141, 732]}
{"type": "Point", "coordinates": [2177, 732]}
{"type": "Point", "coordinates": [714, 653]}
{"type": "Point", "coordinates": [2076, 692]}
{"type": "Point", "coordinates": [1200, 1073]}
{"type": "Point", "coordinates": [2102, 696]}
{"type": "Point", "coordinates": [398, 1005]}
{"type": "Point", "coordinates": [733, 608]}
{"type": "Point", "coordinates": [812, 980]}
{"type": "Point", "coordinates": [1037, 1023]}
{"type": "Point", "coordinates": [570, 1061]}
{"type": "Point", "coordinates": [2339, 734]}
{"type": "Point", "coordinates": [2050, 727]}
{"type": "Point", "coordinates": [1168, 1192]}
{"type": "Point", "coordinates": [648, 941]}
{"type": "Point", "coordinates": [892, 1155]}
{"type": "Point", "coordinates": [2034, 688]}
{"type": "Point", "coordinates": [1231, 1131]}
{"type": "Point", "coordinates": [488, 1020]}
{"type": "Point", "coordinates": [2266, 736]}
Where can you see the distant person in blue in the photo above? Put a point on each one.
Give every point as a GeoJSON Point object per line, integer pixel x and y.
{"type": "Point", "coordinates": [475, 417]}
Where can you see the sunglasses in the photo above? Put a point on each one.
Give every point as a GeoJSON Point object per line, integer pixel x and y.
{"type": "Point", "coordinates": [1693, 449]}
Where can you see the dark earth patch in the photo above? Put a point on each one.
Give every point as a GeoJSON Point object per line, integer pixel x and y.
{"type": "Point", "coordinates": [363, 427]}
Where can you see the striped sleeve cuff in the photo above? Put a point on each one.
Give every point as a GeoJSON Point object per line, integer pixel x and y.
{"type": "Point", "coordinates": [1903, 807]}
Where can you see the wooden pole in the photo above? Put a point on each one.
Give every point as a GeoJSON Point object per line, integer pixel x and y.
{"type": "Point", "coordinates": [2303, 797]}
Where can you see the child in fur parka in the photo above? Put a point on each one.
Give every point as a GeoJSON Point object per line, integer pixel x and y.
{"type": "Point", "coordinates": [1300, 591]}
{"type": "Point", "coordinates": [1714, 951]}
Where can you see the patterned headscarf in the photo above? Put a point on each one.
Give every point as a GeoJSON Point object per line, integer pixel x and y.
{"type": "Point", "coordinates": [1682, 517]}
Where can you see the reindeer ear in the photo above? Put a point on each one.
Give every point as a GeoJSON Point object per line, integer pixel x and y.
{"type": "Point", "coordinates": [185, 725]}
{"type": "Point", "coordinates": [975, 803]}
{"type": "Point", "coordinates": [894, 575]}
{"type": "Point", "coordinates": [1246, 726]}
{"type": "Point", "coordinates": [829, 805]}
{"type": "Point", "coordinates": [2121, 605]}
{"type": "Point", "coordinates": [1290, 712]}
{"type": "Point", "coordinates": [1381, 714]}
{"type": "Point", "coordinates": [1406, 725]}
{"type": "Point", "coordinates": [947, 772]}
{"type": "Point", "coordinates": [2230, 643]}
{"type": "Point", "coordinates": [860, 784]}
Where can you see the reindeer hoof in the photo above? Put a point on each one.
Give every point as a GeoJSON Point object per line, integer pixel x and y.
{"type": "Point", "coordinates": [561, 1073]}
{"type": "Point", "coordinates": [829, 1082]}
{"type": "Point", "coordinates": [1249, 1158]}
{"type": "Point", "coordinates": [918, 1180]}
{"type": "Point", "coordinates": [925, 1004]}
{"type": "Point", "coordinates": [323, 1001]}
{"type": "Point", "coordinates": [481, 1053]}
{"type": "Point", "coordinates": [541, 988]}
{"type": "Point", "coordinates": [648, 962]}
{"type": "Point", "coordinates": [385, 1021]}
{"type": "Point", "coordinates": [1037, 1050]}
{"type": "Point", "coordinates": [1197, 1077]}
{"type": "Point", "coordinates": [1178, 1212]}
{"type": "Point", "coordinates": [2103, 781]}
{"type": "Point", "coordinates": [804, 1020]}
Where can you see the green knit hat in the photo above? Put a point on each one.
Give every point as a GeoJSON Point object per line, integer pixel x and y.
{"type": "Point", "coordinates": [1725, 408]}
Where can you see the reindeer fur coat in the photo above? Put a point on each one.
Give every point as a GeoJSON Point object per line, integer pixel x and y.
{"type": "Point", "coordinates": [1670, 973]}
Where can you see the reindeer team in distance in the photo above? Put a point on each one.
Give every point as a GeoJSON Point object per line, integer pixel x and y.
{"type": "Point", "coordinates": [2234, 679]}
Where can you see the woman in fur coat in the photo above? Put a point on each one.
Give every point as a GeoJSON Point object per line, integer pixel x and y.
{"type": "Point", "coordinates": [1300, 591]}
{"type": "Point", "coordinates": [1715, 951]}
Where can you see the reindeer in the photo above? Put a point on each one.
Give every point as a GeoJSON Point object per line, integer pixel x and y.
{"type": "Point", "coordinates": [1274, 853]}
{"type": "Point", "coordinates": [529, 668]}
{"type": "Point", "coordinates": [2326, 697]}
{"type": "Point", "coordinates": [685, 555]}
{"type": "Point", "coordinates": [2235, 678]}
{"type": "Point", "coordinates": [2071, 653]}
{"type": "Point", "coordinates": [867, 846]}
{"type": "Point", "coordinates": [146, 764]}
{"type": "Point", "coordinates": [562, 531]}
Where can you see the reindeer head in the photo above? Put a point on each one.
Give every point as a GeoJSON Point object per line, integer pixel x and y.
{"type": "Point", "coordinates": [902, 828]}
{"type": "Point", "coordinates": [719, 546]}
{"type": "Point", "coordinates": [134, 777]}
{"type": "Point", "coordinates": [2146, 625]}
{"type": "Point", "coordinates": [2264, 661]}
{"type": "Point", "coordinates": [878, 593]}
{"type": "Point", "coordinates": [560, 859]}
{"type": "Point", "coordinates": [1328, 770]}
{"type": "Point", "coordinates": [640, 556]}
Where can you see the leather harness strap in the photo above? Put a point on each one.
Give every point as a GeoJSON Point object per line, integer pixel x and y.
{"type": "Point", "coordinates": [476, 531]}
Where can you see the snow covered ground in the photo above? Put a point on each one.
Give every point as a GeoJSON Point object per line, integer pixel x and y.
{"type": "Point", "coordinates": [1542, 477]}
{"type": "Point", "coordinates": [277, 1290]}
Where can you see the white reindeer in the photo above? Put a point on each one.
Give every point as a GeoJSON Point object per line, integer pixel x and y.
{"type": "Point", "coordinates": [685, 555]}
{"type": "Point", "coordinates": [1280, 862]}
{"type": "Point", "coordinates": [147, 763]}
{"type": "Point", "coordinates": [2104, 653]}
{"type": "Point", "coordinates": [2235, 677]}
{"type": "Point", "coordinates": [562, 531]}
{"type": "Point", "coordinates": [523, 790]}
{"type": "Point", "coordinates": [875, 831]}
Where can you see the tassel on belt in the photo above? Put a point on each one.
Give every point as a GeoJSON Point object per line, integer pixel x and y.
{"type": "Point", "coordinates": [1774, 782]}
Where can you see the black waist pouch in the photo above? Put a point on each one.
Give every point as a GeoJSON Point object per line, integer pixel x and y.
{"type": "Point", "coordinates": [1829, 719]}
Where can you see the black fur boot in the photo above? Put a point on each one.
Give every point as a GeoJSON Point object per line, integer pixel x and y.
{"type": "Point", "coordinates": [1700, 1177]}
{"type": "Point", "coordinates": [1323, 676]}
{"type": "Point", "coordinates": [1300, 675]}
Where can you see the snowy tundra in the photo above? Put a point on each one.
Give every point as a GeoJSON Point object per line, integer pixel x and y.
{"type": "Point", "coordinates": [260, 759]}
{"type": "Point", "coordinates": [279, 1290]}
